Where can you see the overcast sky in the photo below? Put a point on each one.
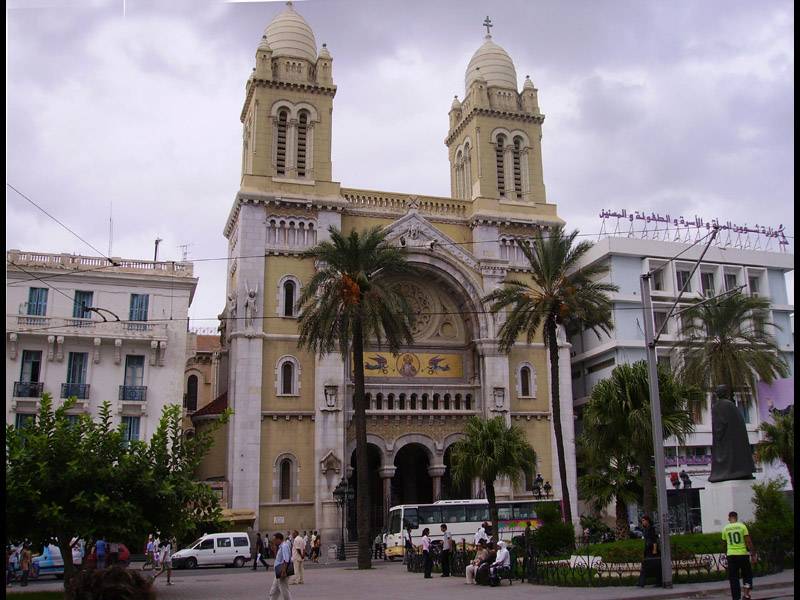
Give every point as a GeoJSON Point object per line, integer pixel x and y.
{"type": "Point", "coordinates": [680, 107]}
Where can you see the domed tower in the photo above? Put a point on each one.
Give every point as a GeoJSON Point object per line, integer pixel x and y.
{"type": "Point", "coordinates": [287, 111]}
{"type": "Point", "coordinates": [494, 141]}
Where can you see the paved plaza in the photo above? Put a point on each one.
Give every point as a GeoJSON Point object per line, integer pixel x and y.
{"type": "Point", "coordinates": [393, 582]}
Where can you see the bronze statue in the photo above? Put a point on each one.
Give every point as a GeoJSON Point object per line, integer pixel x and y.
{"type": "Point", "coordinates": [731, 457]}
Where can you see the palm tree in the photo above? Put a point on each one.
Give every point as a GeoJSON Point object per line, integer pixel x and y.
{"type": "Point", "coordinates": [778, 444]}
{"type": "Point", "coordinates": [618, 412]}
{"type": "Point", "coordinates": [559, 293]}
{"type": "Point", "coordinates": [490, 449]}
{"type": "Point", "coordinates": [347, 301]}
{"type": "Point", "coordinates": [610, 475]}
{"type": "Point", "coordinates": [726, 342]}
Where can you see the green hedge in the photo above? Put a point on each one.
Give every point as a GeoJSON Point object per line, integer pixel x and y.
{"type": "Point", "coordinates": [683, 547]}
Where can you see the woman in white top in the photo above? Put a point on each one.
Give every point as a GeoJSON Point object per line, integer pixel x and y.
{"type": "Point", "coordinates": [426, 552]}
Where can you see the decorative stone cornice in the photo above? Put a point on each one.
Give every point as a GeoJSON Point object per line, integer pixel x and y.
{"type": "Point", "coordinates": [533, 414]}
{"type": "Point", "coordinates": [288, 414]}
{"type": "Point", "coordinates": [491, 112]}
{"type": "Point", "coordinates": [306, 88]}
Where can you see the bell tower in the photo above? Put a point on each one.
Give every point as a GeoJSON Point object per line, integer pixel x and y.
{"type": "Point", "coordinates": [494, 139]}
{"type": "Point", "coordinates": [287, 112]}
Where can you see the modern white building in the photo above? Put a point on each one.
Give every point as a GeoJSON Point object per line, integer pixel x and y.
{"type": "Point", "coordinates": [723, 268]}
{"type": "Point", "coordinates": [80, 326]}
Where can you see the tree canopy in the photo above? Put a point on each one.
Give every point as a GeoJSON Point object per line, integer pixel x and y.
{"type": "Point", "coordinates": [79, 478]}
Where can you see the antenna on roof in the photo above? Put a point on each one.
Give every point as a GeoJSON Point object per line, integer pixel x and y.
{"type": "Point", "coordinates": [110, 226]}
{"type": "Point", "coordinates": [184, 248]}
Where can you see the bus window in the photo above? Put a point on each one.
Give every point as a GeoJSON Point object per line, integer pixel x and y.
{"type": "Point", "coordinates": [410, 518]}
{"type": "Point", "coordinates": [454, 514]}
{"type": "Point", "coordinates": [478, 513]}
{"type": "Point", "coordinates": [394, 521]}
{"type": "Point", "coordinates": [430, 515]}
{"type": "Point", "coordinates": [504, 512]}
{"type": "Point", "coordinates": [524, 510]}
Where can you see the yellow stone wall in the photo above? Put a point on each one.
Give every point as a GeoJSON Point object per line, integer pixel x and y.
{"type": "Point", "coordinates": [214, 464]}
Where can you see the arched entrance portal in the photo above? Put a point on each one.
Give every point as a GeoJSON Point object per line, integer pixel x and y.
{"type": "Point", "coordinates": [375, 493]}
{"type": "Point", "coordinates": [451, 490]}
{"type": "Point", "coordinates": [411, 483]}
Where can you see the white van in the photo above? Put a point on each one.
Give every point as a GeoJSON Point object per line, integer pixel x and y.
{"type": "Point", "coordinates": [214, 549]}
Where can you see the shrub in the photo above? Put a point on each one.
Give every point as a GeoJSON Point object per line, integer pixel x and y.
{"type": "Point", "coordinates": [554, 538]}
{"type": "Point", "coordinates": [773, 529]}
{"type": "Point", "coordinates": [597, 528]}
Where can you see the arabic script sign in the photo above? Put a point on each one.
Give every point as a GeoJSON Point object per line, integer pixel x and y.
{"type": "Point", "coordinates": [658, 226]}
{"type": "Point", "coordinates": [412, 365]}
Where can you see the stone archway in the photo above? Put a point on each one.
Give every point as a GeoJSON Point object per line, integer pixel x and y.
{"type": "Point", "coordinates": [411, 483]}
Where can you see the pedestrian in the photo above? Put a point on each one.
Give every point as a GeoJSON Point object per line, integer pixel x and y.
{"type": "Point", "coordinates": [283, 562]}
{"type": "Point", "coordinates": [148, 553]}
{"type": "Point", "coordinates": [156, 547]}
{"type": "Point", "coordinates": [113, 553]}
{"type": "Point", "coordinates": [383, 543]}
{"type": "Point", "coordinates": [316, 547]}
{"type": "Point", "coordinates": [259, 552]}
{"type": "Point", "coordinates": [740, 553]}
{"type": "Point", "coordinates": [376, 546]}
{"type": "Point", "coordinates": [426, 552]}
{"type": "Point", "coordinates": [481, 534]}
{"type": "Point", "coordinates": [165, 558]}
{"type": "Point", "coordinates": [298, 556]}
{"type": "Point", "coordinates": [447, 547]}
{"type": "Point", "coordinates": [651, 560]}
{"type": "Point", "coordinates": [409, 546]}
{"type": "Point", "coordinates": [307, 540]}
{"type": "Point", "coordinates": [100, 548]}
{"type": "Point", "coordinates": [25, 563]}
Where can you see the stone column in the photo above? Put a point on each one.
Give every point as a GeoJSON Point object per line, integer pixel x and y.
{"type": "Point", "coordinates": [436, 472]}
{"type": "Point", "coordinates": [386, 474]}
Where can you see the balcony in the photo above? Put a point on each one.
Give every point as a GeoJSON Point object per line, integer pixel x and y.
{"type": "Point", "coordinates": [28, 389]}
{"type": "Point", "coordinates": [416, 402]}
{"type": "Point", "coordinates": [79, 390]}
{"type": "Point", "coordinates": [133, 393]}
{"type": "Point", "coordinates": [75, 327]}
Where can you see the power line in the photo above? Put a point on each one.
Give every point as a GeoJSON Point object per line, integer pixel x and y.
{"type": "Point", "coordinates": [60, 223]}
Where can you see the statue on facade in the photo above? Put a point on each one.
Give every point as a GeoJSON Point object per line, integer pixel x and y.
{"type": "Point", "coordinates": [250, 306]}
{"type": "Point", "coordinates": [731, 457]}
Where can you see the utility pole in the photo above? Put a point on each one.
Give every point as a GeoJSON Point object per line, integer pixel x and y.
{"type": "Point", "coordinates": [155, 254]}
{"type": "Point", "coordinates": [650, 340]}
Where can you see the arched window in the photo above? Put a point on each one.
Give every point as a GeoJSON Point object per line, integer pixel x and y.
{"type": "Point", "coordinates": [459, 175]}
{"type": "Point", "coordinates": [302, 139]}
{"type": "Point", "coordinates": [287, 378]}
{"type": "Point", "coordinates": [517, 167]}
{"type": "Point", "coordinates": [191, 393]}
{"type": "Point", "coordinates": [501, 172]}
{"type": "Point", "coordinates": [280, 158]}
{"type": "Point", "coordinates": [288, 298]}
{"type": "Point", "coordinates": [525, 381]}
{"type": "Point", "coordinates": [286, 479]}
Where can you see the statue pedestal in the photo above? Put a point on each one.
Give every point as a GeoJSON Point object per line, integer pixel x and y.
{"type": "Point", "coordinates": [720, 498]}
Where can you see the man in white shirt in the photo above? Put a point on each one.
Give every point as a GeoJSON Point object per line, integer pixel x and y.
{"type": "Point", "coordinates": [481, 534]}
{"type": "Point", "coordinates": [298, 556]}
{"type": "Point", "coordinates": [502, 561]}
{"type": "Point", "coordinates": [165, 556]}
{"type": "Point", "coordinates": [282, 557]}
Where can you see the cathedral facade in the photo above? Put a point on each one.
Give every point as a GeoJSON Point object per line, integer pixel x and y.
{"type": "Point", "coordinates": [291, 438]}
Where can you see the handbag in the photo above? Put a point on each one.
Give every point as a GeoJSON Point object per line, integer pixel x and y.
{"type": "Point", "coordinates": [289, 570]}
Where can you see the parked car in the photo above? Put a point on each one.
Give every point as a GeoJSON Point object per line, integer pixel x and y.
{"type": "Point", "coordinates": [124, 557]}
{"type": "Point", "coordinates": [49, 562]}
{"type": "Point", "coordinates": [214, 549]}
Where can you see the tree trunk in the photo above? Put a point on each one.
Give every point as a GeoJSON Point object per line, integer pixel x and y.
{"type": "Point", "coordinates": [552, 346]}
{"type": "Point", "coordinates": [621, 514]}
{"type": "Point", "coordinates": [362, 459]}
{"type": "Point", "coordinates": [648, 485]}
{"type": "Point", "coordinates": [66, 555]}
{"type": "Point", "coordinates": [493, 515]}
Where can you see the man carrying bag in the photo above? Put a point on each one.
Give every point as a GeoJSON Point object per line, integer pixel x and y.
{"type": "Point", "coordinates": [651, 564]}
{"type": "Point", "coordinates": [283, 569]}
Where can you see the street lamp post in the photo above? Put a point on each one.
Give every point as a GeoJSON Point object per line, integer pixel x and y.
{"type": "Point", "coordinates": [342, 494]}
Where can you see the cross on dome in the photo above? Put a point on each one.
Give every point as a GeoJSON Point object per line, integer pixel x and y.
{"type": "Point", "coordinates": [488, 24]}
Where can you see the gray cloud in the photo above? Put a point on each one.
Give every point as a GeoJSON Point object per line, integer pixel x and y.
{"type": "Point", "coordinates": [681, 107]}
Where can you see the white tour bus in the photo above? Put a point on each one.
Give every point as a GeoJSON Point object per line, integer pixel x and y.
{"type": "Point", "coordinates": [462, 517]}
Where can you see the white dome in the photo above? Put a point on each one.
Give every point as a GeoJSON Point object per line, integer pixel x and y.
{"type": "Point", "coordinates": [289, 35]}
{"type": "Point", "coordinates": [493, 64]}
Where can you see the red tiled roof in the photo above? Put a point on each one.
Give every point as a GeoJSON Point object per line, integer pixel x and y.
{"type": "Point", "coordinates": [208, 343]}
{"type": "Point", "coordinates": [215, 407]}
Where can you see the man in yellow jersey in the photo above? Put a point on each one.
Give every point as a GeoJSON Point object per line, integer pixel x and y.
{"type": "Point", "coordinates": [740, 551]}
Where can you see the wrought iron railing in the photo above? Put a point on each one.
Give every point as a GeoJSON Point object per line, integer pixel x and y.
{"type": "Point", "coordinates": [79, 390]}
{"type": "Point", "coordinates": [28, 389]}
{"type": "Point", "coordinates": [133, 393]}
